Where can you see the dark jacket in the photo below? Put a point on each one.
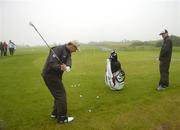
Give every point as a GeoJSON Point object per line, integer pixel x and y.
{"type": "Point", "coordinates": [52, 66]}
{"type": "Point", "coordinates": [1, 46]}
{"type": "Point", "coordinates": [166, 50]}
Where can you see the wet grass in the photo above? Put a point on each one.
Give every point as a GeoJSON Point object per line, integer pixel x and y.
{"type": "Point", "coordinates": [25, 102]}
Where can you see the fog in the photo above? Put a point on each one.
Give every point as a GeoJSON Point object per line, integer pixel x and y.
{"type": "Point", "coordinates": [87, 20]}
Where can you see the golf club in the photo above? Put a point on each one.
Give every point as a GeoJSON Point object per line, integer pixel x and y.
{"type": "Point", "coordinates": [54, 54]}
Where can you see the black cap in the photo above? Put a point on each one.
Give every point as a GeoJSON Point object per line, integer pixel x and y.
{"type": "Point", "coordinates": [163, 32]}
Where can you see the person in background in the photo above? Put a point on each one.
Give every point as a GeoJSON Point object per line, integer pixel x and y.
{"type": "Point", "coordinates": [11, 46]}
{"type": "Point", "coordinates": [5, 46]}
{"type": "Point", "coordinates": [1, 48]}
{"type": "Point", "coordinates": [165, 59]}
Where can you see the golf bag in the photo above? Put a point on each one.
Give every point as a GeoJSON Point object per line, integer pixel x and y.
{"type": "Point", "coordinates": [115, 76]}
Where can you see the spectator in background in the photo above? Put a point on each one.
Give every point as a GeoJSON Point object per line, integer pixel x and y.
{"type": "Point", "coordinates": [1, 48]}
{"type": "Point", "coordinates": [5, 46]}
{"type": "Point", "coordinates": [11, 46]}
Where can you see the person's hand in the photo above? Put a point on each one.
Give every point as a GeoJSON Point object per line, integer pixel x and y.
{"type": "Point", "coordinates": [63, 67]}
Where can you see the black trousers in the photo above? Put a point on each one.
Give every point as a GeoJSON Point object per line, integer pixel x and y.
{"type": "Point", "coordinates": [2, 52]}
{"type": "Point", "coordinates": [5, 51]}
{"type": "Point", "coordinates": [11, 51]}
{"type": "Point", "coordinates": [57, 90]}
{"type": "Point", "coordinates": [164, 73]}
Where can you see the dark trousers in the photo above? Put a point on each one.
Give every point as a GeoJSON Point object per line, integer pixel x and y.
{"type": "Point", "coordinates": [11, 51]}
{"type": "Point", "coordinates": [2, 52]}
{"type": "Point", "coordinates": [57, 90]}
{"type": "Point", "coordinates": [5, 51]}
{"type": "Point", "coordinates": [164, 73]}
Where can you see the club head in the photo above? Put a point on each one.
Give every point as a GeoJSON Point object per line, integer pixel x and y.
{"type": "Point", "coordinates": [31, 24]}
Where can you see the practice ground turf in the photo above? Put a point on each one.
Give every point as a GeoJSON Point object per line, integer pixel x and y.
{"type": "Point", "coordinates": [26, 104]}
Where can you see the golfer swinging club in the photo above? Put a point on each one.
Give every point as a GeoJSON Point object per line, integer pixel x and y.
{"type": "Point", "coordinates": [52, 74]}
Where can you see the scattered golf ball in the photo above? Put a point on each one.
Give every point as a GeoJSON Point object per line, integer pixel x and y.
{"type": "Point", "coordinates": [97, 96]}
{"type": "Point", "coordinates": [80, 95]}
{"type": "Point", "coordinates": [75, 85]}
{"type": "Point", "coordinates": [89, 110]}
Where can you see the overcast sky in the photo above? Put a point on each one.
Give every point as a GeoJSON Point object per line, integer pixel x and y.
{"type": "Point", "coordinates": [87, 20]}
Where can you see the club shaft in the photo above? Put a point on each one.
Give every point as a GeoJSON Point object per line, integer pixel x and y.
{"type": "Point", "coordinates": [47, 44]}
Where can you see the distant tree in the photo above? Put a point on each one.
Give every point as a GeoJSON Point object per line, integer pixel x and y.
{"type": "Point", "coordinates": [175, 40]}
{"type": "Point", "coordinates": [137, 43]}
{"type": "Point", "coordinates": [142, 43]}
{"type": "Point", "coordinates": [159, 43]}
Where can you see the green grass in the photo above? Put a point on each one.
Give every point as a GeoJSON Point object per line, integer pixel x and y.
{"type": "Point", "coordinates": [25, 102]}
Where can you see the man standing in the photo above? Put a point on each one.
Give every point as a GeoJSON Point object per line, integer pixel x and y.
{"type": "Point", "coordinates": [165, 59]}
{"type": "Point", "coordinates": [1, 48]}
{"type": "Point", "coordinates": [52, 75]}
{"type": "Point", "coordinates": [5, 46]}
{"type": "Point", "coordinates": [11, 46]}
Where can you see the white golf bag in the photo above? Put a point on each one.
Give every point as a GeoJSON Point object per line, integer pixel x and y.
{"type": "Point", "coordinates": [114, 80]}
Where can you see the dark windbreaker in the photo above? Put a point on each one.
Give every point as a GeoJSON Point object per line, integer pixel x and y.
{"type": "Point", "coordinates": [51, 66]}
{"type": "Point", "coordinates": [166, 50]}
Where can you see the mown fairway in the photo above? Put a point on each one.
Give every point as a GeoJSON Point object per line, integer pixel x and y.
{"type": "Point", "coordinates": [26, 104]}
